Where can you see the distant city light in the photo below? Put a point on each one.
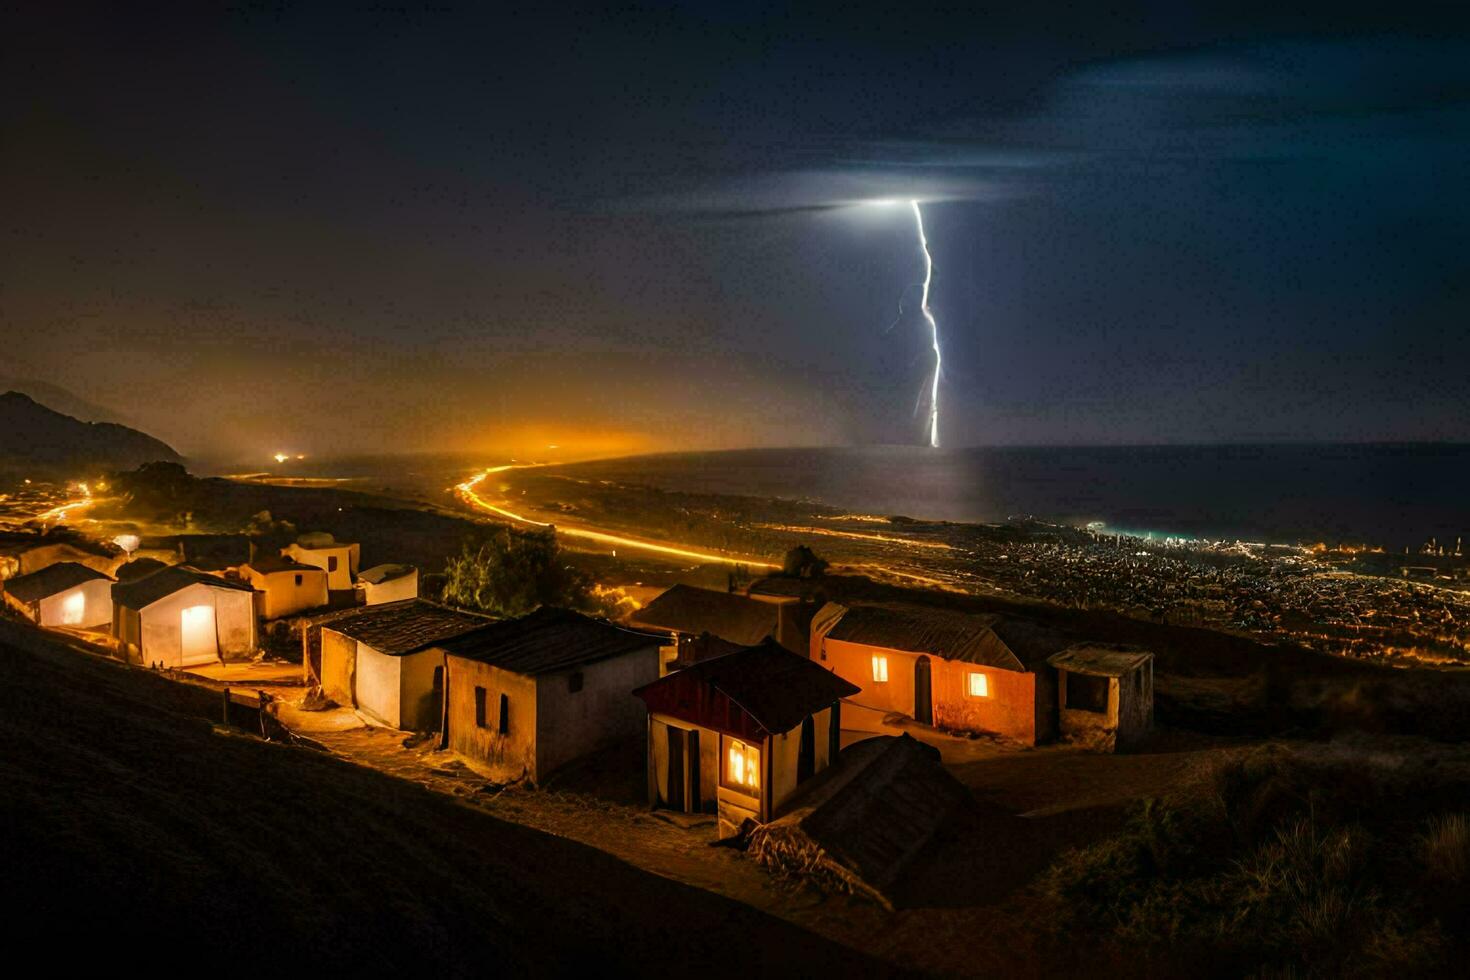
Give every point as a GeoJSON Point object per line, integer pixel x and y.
{"type": "Point", "coordinates": [281, 457]}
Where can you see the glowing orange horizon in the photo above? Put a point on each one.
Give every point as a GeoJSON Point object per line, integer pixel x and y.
{"type": "Point", "coordinates": [467, 490]}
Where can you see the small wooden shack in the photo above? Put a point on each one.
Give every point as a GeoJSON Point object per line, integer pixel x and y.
{"type": "Point", "coordinates": [382, 661]}
{"type": "Point", "coordinates": [528, 695]}
{"type": "Point", "coordinates": [286, 586]}
{"type": "Point", "coordinates": [953, 670]}
{"type": "Point", "coordinates": [64, 594]}
{"type": "Point", "coordinates": [182, 617]}
{"type": "Point", "coordinates": [1105, 694]}
{"type": "Point", "coordinates": [735, 735]}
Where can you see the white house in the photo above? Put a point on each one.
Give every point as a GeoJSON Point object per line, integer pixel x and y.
{"type": "Point", "coordinates": [286, 586]}
{"type": "Point", "coordinates": [388, 583]}
{"type": "Point", "coordinates": [379, 660]}
{"type": "Point", "coordinates": [338, 559]}
{"type": "Point", "coordinates": [181, 617]}
{"type": "Point", "coordinates": [64, 594]}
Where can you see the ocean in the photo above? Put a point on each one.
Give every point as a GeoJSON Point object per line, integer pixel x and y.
{"type": "Point", "coordinates": [1386, 495]}
{"type": "Point", "coordinates": [1378, 494]}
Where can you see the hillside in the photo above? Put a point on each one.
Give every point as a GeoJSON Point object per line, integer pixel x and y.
{"type": "Point", "coordinates": [135, 823]}
{"type": "Point", "coordinates": [32, 435]}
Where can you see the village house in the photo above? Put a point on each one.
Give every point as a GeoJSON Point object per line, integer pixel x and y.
{"type": "Point", "coordinates": [956, 671]}
{"type": "Point", "coordinates": [182, 617]}
{"type": "Point", "coordinates": [22, 554]}
{"type": "Point", "coordinates": [689, 614]}
{"type": "Point", "coordinates": [63, 594]}
{"type": "Point", "coordinates": [388, 583]}
{"type": "Point", "coordinates": [338, 559]}
{"type": "Point", "coordinates": [526, 696]}
{"type": "Point", "coordinates": [286, 586]}
{"type": "Point", "coordinates": [735, 735]}
{"type": "Point", "coordinates": [1105, 694]}
{"type": "Point", "coordinates": [382, 660]}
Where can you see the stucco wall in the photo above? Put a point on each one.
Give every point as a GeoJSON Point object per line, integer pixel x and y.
{"type": "Point", "coordinates": [339, 666]}
{"type": "Point", "coordinates": [96, 610]}
{"type": "Point", "coordinates": [507, 756]}
{"type": "Point", "coordinates": [283, 596]}
{"type": "Point", "coordinates": [658, 761]}
{"type": "Point", "coordinates": [393, 590]}
{"type": "Point", "coordinates": [604, 710]}
{"type": "Point", "coordinates": [345, 554]}
{"type": "Point", "coordinates": [1010, 709]}
{"type": "Point", "coordinates": [378, 685]}
{"type": "Point", "coordinates": [234, 622]}
{"type": "Point", "coordinates": [421, 707]}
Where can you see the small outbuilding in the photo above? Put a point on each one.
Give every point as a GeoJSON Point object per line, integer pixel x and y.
{"type": "Point", "coordinates": [338, 559]}
{"type": "Point", "coordinates": [687, 613]}
{"type": "Point", "coordinates": [388, 583]}
{"type": "Point", "coordinates": [1105, 694]}
{"type": "Point", "coordinates": [64, 594]}
{"type": "Point", "coordinates": [182, 617]}
{"type": "Point", "coordinates": [735, 735]}
{"type": "Point", "coordinates": [381, 660]}
{"type": "Point", "coordinates": [953, 670]}
{"type": "Point", "coordinates": [526, 696]}
{"type": "Point", "coordinates": [286, 586]}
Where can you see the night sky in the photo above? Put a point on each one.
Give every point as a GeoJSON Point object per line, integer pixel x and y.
{"type": "Point", "coordinates": [258, 228]}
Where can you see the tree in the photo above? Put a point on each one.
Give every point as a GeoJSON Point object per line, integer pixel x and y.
{"type": "Point", "coordinates": [803, 562]}
{"type": "Point", "coordinates": [512, 573]}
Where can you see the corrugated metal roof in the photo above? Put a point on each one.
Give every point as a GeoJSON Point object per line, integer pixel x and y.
{"type": "Point", "coordinates": [923, 629]}
{"type": "Point", "coordinates": [693, 611]}
{"type": "Point", "coordinates": [51, 580]}
{"type": "Point", "coordinates": [750, 693]}
{"type": "Point", "coordinates": [400, 628]}
{"type": "Point", "coordinates": [149, 589]}
{"type": "Point", "coordinates": [548, 640]}
{"type": "Point", "coordinates": [1100, 659]}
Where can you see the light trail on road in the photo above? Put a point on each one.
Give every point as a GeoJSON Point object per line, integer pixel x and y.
{"type": "Point", "coordinates": [467, 491]}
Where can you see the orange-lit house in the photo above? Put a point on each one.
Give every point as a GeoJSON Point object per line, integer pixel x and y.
{"type": "Point", "coordinates": [526, 696]}
{"type": "Point", "coordinates": [975, 673]}
{"type": "Point", "coordinates": [63, 594]}
{"type": "Point", "coordinates": [181, 617]}
{"type": "Point", "coordinates": [735, 735]}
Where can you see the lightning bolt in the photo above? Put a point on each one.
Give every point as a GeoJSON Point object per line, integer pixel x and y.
{"type": "Point", "coordinates": [933, 328]}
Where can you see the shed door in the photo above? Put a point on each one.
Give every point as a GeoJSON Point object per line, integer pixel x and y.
{"type": "Point", "coordinates": [675, 790]}
{"type": "Point", "coordinates": [197, 637]}
{"type": "Point", "coordinates": [923, 698]}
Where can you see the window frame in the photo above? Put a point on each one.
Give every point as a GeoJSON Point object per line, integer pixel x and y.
{"type": "Point", "coordinates": [970, 676]}
{"type": "Point", "coordinates": [502, 720]}
{"type": "Point", "coordinates": [880, 660]}
{"type": "Point", "coordinates": [481, 721]}
{"type": "Point", "coordinates": [729, 744]}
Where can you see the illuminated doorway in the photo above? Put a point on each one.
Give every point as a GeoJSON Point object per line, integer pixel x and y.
{"type": "Point", "coordinates": [198, 644]}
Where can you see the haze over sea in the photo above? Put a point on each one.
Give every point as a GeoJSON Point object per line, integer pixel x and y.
{"type": "Point", "coordinates": [1389, 495]}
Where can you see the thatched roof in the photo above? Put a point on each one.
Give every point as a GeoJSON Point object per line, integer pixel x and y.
{"type": "Point", "coordinates": [692, 611]}
{"type": "Point", "coordinates": [548, 640]}
{"type": "Point", "coordinates": [401, 628]}
{"type": "Point", "coordinates": [862, 822]}
{"type": "Point", "coordinates": [1100, 659]}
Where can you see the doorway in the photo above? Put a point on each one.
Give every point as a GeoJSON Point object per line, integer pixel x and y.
{"type": "Point", "coordinates": [197, 636]}
{"type": "Point", "coordinates": [923, 693]}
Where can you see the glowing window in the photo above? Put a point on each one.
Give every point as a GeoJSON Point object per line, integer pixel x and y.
{"type": "Point", "coordinates": [72, 609]}
{"type": "Point", "coordinates": [979, 686]}
{"type": "Point", "coordinates": [880, 669]}
{"type": "Point", "coordinates": [743, 766]}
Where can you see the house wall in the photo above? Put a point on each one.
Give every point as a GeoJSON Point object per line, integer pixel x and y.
{"type": "Point", "coordinates": [393, 590]}
{"type": "Point", "coordinates": [346, 555]}
{"type": "Point", "coordinates": [339, 666]}
{"type": "Point", "coordinates": [378, 684]}
{"type": "Point", "coordinates": [283, 597]}
{"type": "Point", "coordinates": [508, 756]}
{"type": "Point", "coordinates": [421, 708]}
{"type": "Point", "coordinates": [569, 725]}
{"type": "Point", "coordinates": [160, 624]}
{"type": "Point", "coordinates": [1011, 708]}
{"type": "Point", "coordinates": [1135, 705]}
{"type": "Point", "coordinates": [96, 611]}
